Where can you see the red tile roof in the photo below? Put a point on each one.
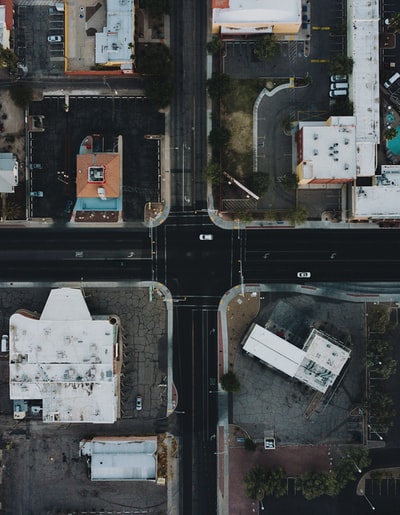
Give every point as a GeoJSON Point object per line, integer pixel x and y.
{"type": "Point", "coordinates": [220, 4]}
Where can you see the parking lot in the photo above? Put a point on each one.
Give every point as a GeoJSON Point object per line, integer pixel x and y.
{"type": "Point", "coordinates": [33, 26]}
{"type": "Point", "coordinates": [42, 471]}
{"type": "Point", "coordinates": [55, 149]}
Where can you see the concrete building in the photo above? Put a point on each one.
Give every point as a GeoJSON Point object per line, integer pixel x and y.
{"type": "Point", "coordinates": [244, 17]}
{"type": "Point", "coordinates": [8, 172]}
{"type": "Point", "coordinates": [67, 359]}
{"type": "Point", "coordinates": [126, 458]}
{"type": "Point", "coordinates": [317, 364]}
{"type": "Point", "coordinates": [363, 48]}
{"type": "Point", "coordinates": [115, 44]}
{"type": "Point", "coordinates": [326, 152]}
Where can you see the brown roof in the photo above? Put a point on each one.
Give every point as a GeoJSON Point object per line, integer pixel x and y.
{"type": "Point", "coordinates": [112, 173]}
{"type": "Point", "coordinates": [220, 4]}
{"type": "Point", "coordinates": [9, 4]}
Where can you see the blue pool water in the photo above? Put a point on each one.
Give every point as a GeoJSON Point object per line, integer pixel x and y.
{"type": "Point", "coordinates": [394, 144]}
{"type": "Point", "coordinates": [390, 117]}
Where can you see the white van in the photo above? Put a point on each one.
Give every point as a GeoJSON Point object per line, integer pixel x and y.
{"type": "Point", "coordinates": [338, 93]}
{"type": "Point", "coordinates": [340, 85]}
{"type": "Point", "coordinates": [392, 80]}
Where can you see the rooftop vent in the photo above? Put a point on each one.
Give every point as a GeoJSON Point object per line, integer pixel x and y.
{"type": "Point", "coordinates": [315, 152]}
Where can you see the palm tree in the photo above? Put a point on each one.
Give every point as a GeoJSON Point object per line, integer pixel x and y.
{"type": "Point", "coordinates": [297, 215]}
{"type": "Point", "coordinates": [230, 382]}
{"type": "Point", "coordinates": [266, 47]}
{"type": "Point", "coordinates": [255, 482]}
{"type": "Point", "coordinates": [394, 22]}
{"type": "Point", "coordinates": [390, 133]}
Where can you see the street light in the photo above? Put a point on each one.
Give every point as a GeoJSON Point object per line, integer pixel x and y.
{"type": "Point", "coordinates": [366, 498]}
{"type": "Point", "coordinates": [375, 432]}
{"type": "Point", "coordinates": [354, 463]}
{"type": "Point", "coordinates": [261, 505]}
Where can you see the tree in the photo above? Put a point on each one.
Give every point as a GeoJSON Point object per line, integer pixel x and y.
{"type": "Point", "coordinates": [219, 85]}
{"type": "Point", "coordinates": [378, 318]}
{"type": "Point", "coordinates": [258, 182]}
{"type": "Point", "coordinates": [21, 95]}
{"type": "Point", "coordinates": [250, 445]}
{"type": "Point", "coordinates": [155, 59]}
{"type": "Point", "coordinates": [340, 65]}
{"type": "Point", "coordinates": [213, 173]}
{"type": "Point", "coordinates": [255, 482]}
{"type": "Point", "coordinates": [289, 181]}
{"type": "Point", "coordinates": [8, 59]}
{"type": "Point", "coordinates": [390, 133]}
{"type": "Point", "coordinates": [230, 382]}
{"type": "Point", "coordinates": [159, 92]}
{"type": "Point", "coordinates": [394, 22]}
{"type": "Point", "coordinates": [297, 215]}
{"type": "Point", "coordinates": [215, 45]}
{"type": "Point", "coordinates": [157, 7]}
{"type": "Point", "coordinates": [11, 211]}
{"type": "Point", "coordinates": [315, 484]}
{"type": "Point", "coordinates": [276, 482]}
{"type": "Point", "coordinates": [219, 137]}
{"type": "Point", "coordinates": [266, 47]}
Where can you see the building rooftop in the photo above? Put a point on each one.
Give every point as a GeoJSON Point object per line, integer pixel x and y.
{"type": "Point", "coordinates": [113, 45]}
{"type": "Point", "coordinates": [256, 16]}
{"type": "Point", "coordinates": [98, 175]}
{"type": "Point", "coordinates": [8, 172]}
{"type": "Point", "coordinates": [328, 150]}
{"type": "Point", "coordinates": [66, 359]}
{"type": "Point", "coordinates": [273, 350]}
{"type": "Point", "coordinates": [381, 200]}
{"type": "Point", "coordinates": [318, 364]}
{"type": "Point", "coordinates": [121, 458]}
{"type": "Point", "coordinates": [363, 47]}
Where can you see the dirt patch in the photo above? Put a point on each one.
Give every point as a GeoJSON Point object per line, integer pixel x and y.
{"type": "Point", "coordinates": [12, 136]}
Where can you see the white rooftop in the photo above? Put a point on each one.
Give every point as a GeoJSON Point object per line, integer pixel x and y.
{"type": "Point", "coordinates": [258, 13]}
{"type": "Point", "coordinates": [318, 364]}
{"type": "Point", "coordinates": [329, 149]}
{"type": "Point", "coordinates": [363, 47]}
{"type": "Point", "coordinates": [323, 362]}
{"type": "Point", "coordinates": [381, 200]}
{"type": "Point", "coordinates": [8, 172]}
{"type": "Point", "coordinates": [66, 359]}
{"type": "Point", "coordinates": [273, 350]}
{"type": "Point", "coordinates": [121, 458]}
{"type": "Point", "coordinates": [112, 44]}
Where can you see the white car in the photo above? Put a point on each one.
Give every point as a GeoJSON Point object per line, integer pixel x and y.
{"type": "Point", "coordinates": [54, 39]}
{"type": "Point", "coordinates": [204, 237]}
{"type": "Point", "coordinates": [303, 275]}
{"type": "Point", "coordinates": [139, 402]}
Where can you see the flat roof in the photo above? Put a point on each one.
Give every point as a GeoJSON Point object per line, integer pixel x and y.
{"type": "Point", "coordinates": [329, 149]}
{"type": "Point", "coordinates": [121, 458]}
{"type": "Point", "coordinates": [318, 364]}
{"type": "Point", "coordinates": [258, 12]}
{"type": "Point", "coordinates": [273, 350]}
{"type": "Point", "coordinates": [112, 45]}
{"type": "Point", "coordinates": [66, 360]}
{"type": "Point", "coordinates": [363, 47]}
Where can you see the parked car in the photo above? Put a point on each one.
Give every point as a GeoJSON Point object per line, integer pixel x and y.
{"type": "Point", "coordinates": [36, 193]}
{"type": "Point", "coordinates": [339, 85]}
{"type": "Point", "coordinates": [303, 275]}
{"type": "Point", "coordinates": [204, 237]}
{"type": "Point", "coordinates": [35, 166]}
{"type": "Point", "coordinates": [338, 78]}
{"type": "Point", "coordinates": [54, 39]}
{"type": "Point", "coordinates": [338, 93]}
{"type": "Point", "coordinates": [4, 343]}
{"type": "Point", "coordinates": [68, 207]}
{"type": "Point", "coordinates": [139, 402]}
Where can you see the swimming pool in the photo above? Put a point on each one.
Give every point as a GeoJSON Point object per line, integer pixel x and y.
{"type": "Point", "coordinates": [394, 144]}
